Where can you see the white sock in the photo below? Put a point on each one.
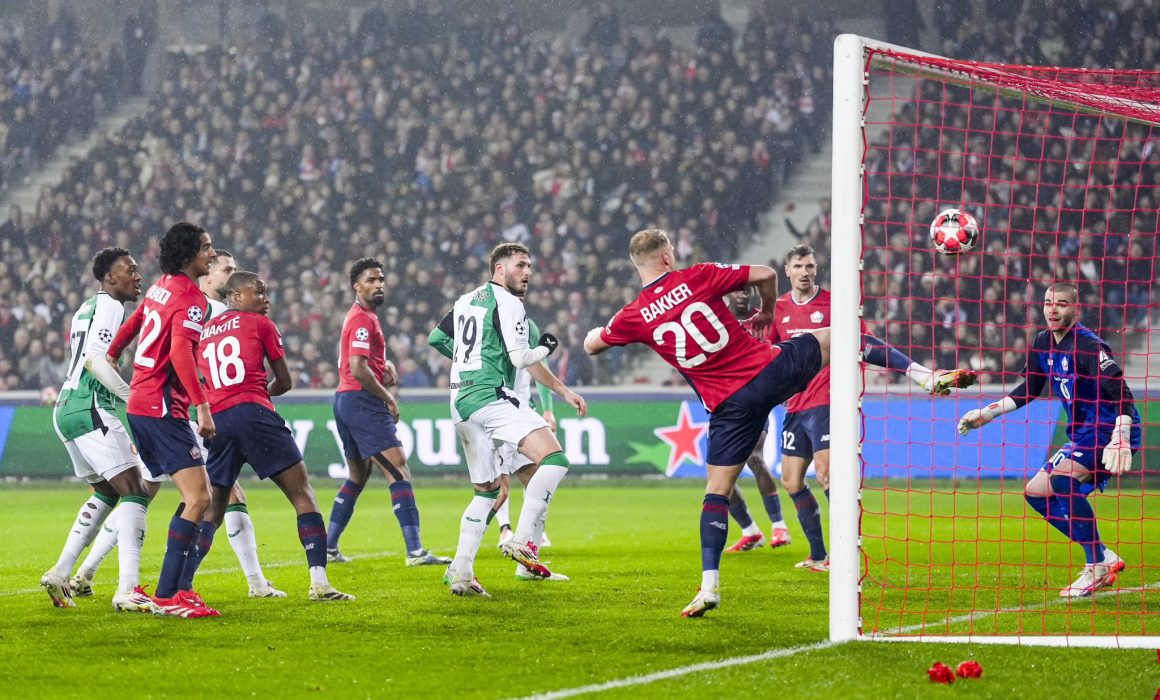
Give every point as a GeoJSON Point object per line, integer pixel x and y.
{"type": "Point", "coordinates": [318, 576]}
{"type": "Point", "coordinates": [471, 529]}
{"type": "Point", "coordinates": [537, 495]}
{"type": "Point", "coordinates": [779, 525]}
{"type": "Point", "coordinates": [102, 545]}
{"type": "Point", "coordinates": [503, 516]}
{"type": "Point", "coordinates": [753, 529]}
{"type": "Point", "coordinates": [84, 530]}
{"type": "Point", "coordinates": [130, 538]}
{"type": "Point", "coordinates": [710, 580]}
{"type": "Point", "coordinates": [538, 530]}
{"type": "Point", "coordinates": [240, 531]}
{"type": "Point", "coordinates": [918, 373]}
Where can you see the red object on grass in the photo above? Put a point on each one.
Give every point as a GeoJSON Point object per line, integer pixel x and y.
{"type": "Point", "coordinates": [969, 669]}
{"type": "Point", "coordinates": [941, 673]}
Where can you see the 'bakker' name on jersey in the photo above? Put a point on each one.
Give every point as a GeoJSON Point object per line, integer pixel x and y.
{"type": "Point", "coordinates": [683, 317]}
{"type": "Point", "coordinates": [232, 358]}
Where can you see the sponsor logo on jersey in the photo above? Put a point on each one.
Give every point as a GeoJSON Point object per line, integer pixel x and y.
{"type": "Point", "coordinates": [1106, 360]}
{"type": "Point", "coordinates": [785, 319]}
{"type": "Point", "coordinates": [666, 302]}
{"type": "Point", "coordinates": [195, 314]}
{"type": "Point", "coordinates": [816, 317]}
{"type": "Point", "coordinates": [362, 334]}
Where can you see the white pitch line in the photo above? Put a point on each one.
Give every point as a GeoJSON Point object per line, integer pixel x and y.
{"type": "Point", "coordinates": [784, 652]}
{"type": "Point", "coordinates": [229, 569]}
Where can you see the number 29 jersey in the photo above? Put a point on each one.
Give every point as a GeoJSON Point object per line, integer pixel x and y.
{"type": "Point", "coordinates": [684, 319]}
{"type": "Point", "coordinates": [486, 324]}
{"type": "Point", "coordinates": [232, 355]}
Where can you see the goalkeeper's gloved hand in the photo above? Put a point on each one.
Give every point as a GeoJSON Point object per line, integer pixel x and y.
{"type": "Point", "coordinates": [977, 418]}
{"type": "Point", "coordinates": [549, 341]}
{"type": "Point", "coordinates": [1117, 457]}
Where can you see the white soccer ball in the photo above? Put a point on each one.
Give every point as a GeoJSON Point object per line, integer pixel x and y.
{"type": "Point", "coordinates": [954, 232]}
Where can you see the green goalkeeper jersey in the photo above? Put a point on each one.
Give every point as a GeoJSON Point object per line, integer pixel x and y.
{"type": "Point", "coordinates": [479, 331]}
{"type": "Point", "coordinates": [93, 327]}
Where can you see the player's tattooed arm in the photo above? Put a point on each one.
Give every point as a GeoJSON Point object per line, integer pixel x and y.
{"type": "Point", "coordinates": [360, 369]}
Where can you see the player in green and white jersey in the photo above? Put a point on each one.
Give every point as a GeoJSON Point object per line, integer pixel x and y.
{"type": "Point", "coordinates": [102, 454]}
{"type": "Point", "coordinates": [489, 330]}
{"type": "Point", "coordinates": [512, 462]}
{"type": "Point", "coordinates": [238, 525]}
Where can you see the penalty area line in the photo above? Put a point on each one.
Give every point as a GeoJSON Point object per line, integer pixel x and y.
{"type": "Point", "coordinates": [683, 671]}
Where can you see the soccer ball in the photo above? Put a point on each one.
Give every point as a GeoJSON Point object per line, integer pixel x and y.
{"type": "Point", "coordinates": [954, 232]}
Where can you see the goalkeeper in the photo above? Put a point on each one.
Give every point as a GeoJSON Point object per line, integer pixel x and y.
{"type": "Point", "coordinates": [1103, 431]}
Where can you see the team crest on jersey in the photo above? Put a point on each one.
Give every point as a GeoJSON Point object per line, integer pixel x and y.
{"type": "Point", "coordinates": [195, 453]}
{"type": "Point", "coordinates": [816, 317]}
{"type": "Point", "coordinates": [195, 314]}
{"type": "Point", "coordinates": [1063, 362]}
{"type": "Point", "coordinates": [362, 334]}
{"type": "Point", "coordinates": [105, 335]}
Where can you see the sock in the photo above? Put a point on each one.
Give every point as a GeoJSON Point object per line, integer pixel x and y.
{"type": "Point", "coordinates": [538, 494]}
{"type": "Point", "coordinates": [772, 505]}
{"type": "Point", "coordinates": [714, 530]}
{"type": "Point", "coordinates": [740, 513]}
{"type": "Point", "coordinates": [472, 526]}
{"type": "Point", "coordinates": [538, 531]}
{"type": "Point", "coordinates": [879, 353]}
{"type": "Point", "coordinates": [130, 539]}
{"type": "Point", "coordinates": [918, 373]}
{"type": "Point", "coordinates": [240, 531]}
{"type": "Point", "coordinates": [203, 540]}
{"type": "Point", "coordinates": [103, 544]}
{"type": "Point", "coordinates": [407, 512]}
{"type": "Point", "coordinates": [89, 520]}
{"type": "Point", "coordinates": [312, 535]}
{"type": "Point", "coordinates": [1074, 509]}
{"type": "Point", "coordinates": [810, 517]}
{"type": "Point", "coordinates": [179, 545]}
{"type": "Point", "coordinates": [710, 580]}
{"type": "Point", "coordinates": [341, 511]}
{"type": "Point", "coordinates": [503, 515]}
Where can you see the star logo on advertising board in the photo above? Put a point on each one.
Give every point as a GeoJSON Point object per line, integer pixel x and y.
{"type": "Point", "coordinates": [684, 440]}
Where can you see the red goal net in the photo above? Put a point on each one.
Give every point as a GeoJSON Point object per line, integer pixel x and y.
{"type": "Point", "coordinates": [1061, 169]}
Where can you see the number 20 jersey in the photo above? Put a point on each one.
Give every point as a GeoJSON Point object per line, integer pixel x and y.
{"type": "Point", "coordinates": [683, 318]}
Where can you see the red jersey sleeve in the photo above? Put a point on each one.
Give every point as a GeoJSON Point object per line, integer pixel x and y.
{"type": "Point", "coordinates": [718, 278]}
{"type": "Point", "coordinates": [129, 330]}
{"type": "Point", "coordinates": [773, 335]}
{"type": "Point", "coordinates": [189, 316]}
{"type": "Point", "coordinates": [271, 340]}
{"type": "Point", "coordinates": [619, 330]}
{"type": "Point", "coordinates": [357, 336]}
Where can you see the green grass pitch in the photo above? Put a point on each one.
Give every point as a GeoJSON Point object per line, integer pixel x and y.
{"type": "Point", "coordinates": [632, 550]}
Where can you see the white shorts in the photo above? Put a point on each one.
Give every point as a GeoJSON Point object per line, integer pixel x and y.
{"type": "Point", "coordinates": [102, 454]}
{"type": "Point", "coordinates": [490, 438]}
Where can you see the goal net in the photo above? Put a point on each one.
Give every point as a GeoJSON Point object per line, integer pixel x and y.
{"type": "Point", "coordinates": [932, 538]}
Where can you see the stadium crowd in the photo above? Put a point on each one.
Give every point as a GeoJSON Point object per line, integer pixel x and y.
{"type": "Point", "coordinates": [1057, 196]}
{"type": "Point", "coordinates": [52, 94]}
{"type": "Point", "coordinates": [398, 140]}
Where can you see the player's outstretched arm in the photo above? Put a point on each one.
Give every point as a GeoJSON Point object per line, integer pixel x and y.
{"type": "Point", "coordinates": [282, 381]}
{"type": "Point", "coordinates": [545, 376]}
{"type": "Point", "coordinates": [360, 369]}
{"type": "Point", "coordinates": [593, 343]}
{"type": "Point", "coordinates": [764, 278]}
{"type": "Point", "coordinates": [1025, 393]}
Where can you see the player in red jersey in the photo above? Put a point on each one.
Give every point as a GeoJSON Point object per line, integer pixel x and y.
{"type": "Point", "coordinates": [235, 347]}
{"type": "Point", "coordinates": [365, 413]}
{"type": "Point", "coordinates": [682, 316]}
{"type": "Point", "coordinates": [805, 437]}
{"type": "Point", "coordinates": [751, 537]}
{"type": "Point", "coordinates": [164, 385]}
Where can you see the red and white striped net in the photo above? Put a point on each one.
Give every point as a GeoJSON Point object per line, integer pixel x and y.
{"type": "Point", "coordinates": [1061, 169]}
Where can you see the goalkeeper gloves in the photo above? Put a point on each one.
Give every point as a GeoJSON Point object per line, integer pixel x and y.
{"type": "Point", "coordinates": [1117, 457]}
{"type": "Point", "coordinates": [978, 417]}
{"type": "Point", "coordinates": [549, 341]}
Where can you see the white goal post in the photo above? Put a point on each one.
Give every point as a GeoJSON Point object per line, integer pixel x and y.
{"type": "Point", "coordinates": [850, 142]}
